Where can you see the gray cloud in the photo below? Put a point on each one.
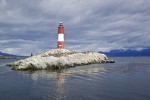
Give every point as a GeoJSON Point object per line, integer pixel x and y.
{"type": "Point", "coordinates": [27, 27]}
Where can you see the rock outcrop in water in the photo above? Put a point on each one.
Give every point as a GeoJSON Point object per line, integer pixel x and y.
{"type": "Point", "coordinates": [59, 59]}
{"type": "Point", "coordinates": [6, 57]}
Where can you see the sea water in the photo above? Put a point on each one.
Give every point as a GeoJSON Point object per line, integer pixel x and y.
{"type": "Point", "coordinates": [127, 79]}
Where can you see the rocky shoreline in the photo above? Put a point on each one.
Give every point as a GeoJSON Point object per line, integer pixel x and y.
{"type": "Point", "coordinates": [5, 57]}
{"type": "Point", "coordinates": [59, 59]}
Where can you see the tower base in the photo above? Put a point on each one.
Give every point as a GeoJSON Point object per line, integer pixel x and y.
{"type": "Point", "coordinates": [60, 45]}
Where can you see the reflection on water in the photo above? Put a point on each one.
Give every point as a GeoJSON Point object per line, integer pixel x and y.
{"type": "Point", "coordinates": [61, 91]}
{"type": "Point", "coordinates": [59, 75]}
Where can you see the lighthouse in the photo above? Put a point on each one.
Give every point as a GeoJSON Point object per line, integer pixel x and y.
{"type": "Point", "coordinates": [60, 44]}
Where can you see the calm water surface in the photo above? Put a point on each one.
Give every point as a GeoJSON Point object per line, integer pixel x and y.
{"type": "Point", "coordinates": [127, 79]}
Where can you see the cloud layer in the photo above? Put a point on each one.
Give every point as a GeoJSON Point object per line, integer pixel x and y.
{"type": "Point", "coordinates": [31, 26]}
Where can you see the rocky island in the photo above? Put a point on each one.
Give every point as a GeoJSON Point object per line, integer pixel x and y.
{"type": "Point", "coordinates": [59, 59]}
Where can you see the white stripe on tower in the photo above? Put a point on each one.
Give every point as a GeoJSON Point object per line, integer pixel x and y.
{"type": "Point", "coordinates": [60, 37]}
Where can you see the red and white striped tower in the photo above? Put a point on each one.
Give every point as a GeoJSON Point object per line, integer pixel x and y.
{"type": "Point", "coordinates": [60, 44]}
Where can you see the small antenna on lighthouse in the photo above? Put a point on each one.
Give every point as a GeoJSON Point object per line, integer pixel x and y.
{"type": "Point", "coordinates": [60, 23]}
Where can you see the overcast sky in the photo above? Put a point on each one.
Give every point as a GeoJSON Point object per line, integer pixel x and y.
{"type": "Point", "coordinates": [30, 26]}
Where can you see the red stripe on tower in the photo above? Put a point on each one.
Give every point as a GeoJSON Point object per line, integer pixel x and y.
{"type": "Point", "coordinates": [60, 44]}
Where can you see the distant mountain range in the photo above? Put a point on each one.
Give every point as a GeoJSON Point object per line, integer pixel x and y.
{"type": "Point", "coordinates": [6, 54]}
{"type": "Point", "coordinates": [127, 53]}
